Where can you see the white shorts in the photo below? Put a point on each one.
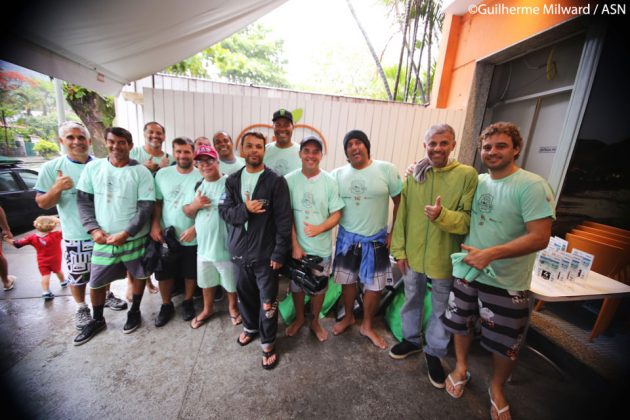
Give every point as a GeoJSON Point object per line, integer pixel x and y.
{"type": "Point", "coordinates": [211, 274]}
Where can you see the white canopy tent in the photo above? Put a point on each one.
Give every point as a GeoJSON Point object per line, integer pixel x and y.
{"type": "Point", "coordinates": [103, 45]}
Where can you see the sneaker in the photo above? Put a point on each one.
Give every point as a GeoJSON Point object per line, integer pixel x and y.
{"type": "Point", "coordinates": [219, 295]}
{"type": "Point", "coordinates": [82, 317]}
{"type": "Point", "coordinates": [113, 303]}
{"type": "Point", "coordinates": [91, 329]}
{"type": "Point", "coordinates": [188, 308]}
{"type": "Point", "coordinates": [48, 295]}
{"type": "Point", "coordinates": [166, 313]}
{"type": "Point", "coordinates": [64, 283]}
{"type": "Point", "coordinates": [133, 322]}
{"type": "Point", "coordinates": [436, 371]}
{"type": "Point", "coordinates": [403, 349]}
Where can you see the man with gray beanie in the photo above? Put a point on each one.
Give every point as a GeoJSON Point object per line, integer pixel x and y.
{"type": "Point", "coordinates": [362, 254]}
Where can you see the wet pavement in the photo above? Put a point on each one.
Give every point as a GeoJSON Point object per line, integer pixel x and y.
{"type": "Point", "coordinates": [177, 372]}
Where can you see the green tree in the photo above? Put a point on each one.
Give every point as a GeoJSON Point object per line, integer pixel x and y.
{"type": "Point", "coordinates": [46, 148]}
{"type": "Point", "coordinates": [248, 57]}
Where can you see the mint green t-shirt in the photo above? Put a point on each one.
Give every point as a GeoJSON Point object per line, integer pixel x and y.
{"type": "Point", "coordinates": [230, 168]}
{"type": "Point", "coordinates": [212, 240]}
{"type": "Point", "coordinates": [366, 193]}
{"type": "Point", "coordinates": [312, 201]}
{"type": "Point", "coordinates": [248, 185]}
{"type": "Point", "coordinates": [138, 153]}
{"type": "Point", "coordinates": [282, 161]}
{"type": "Point", "coordinates": [500, 210]}
{"type": "Point", "coordinates": [173, 189]}
{"type": "Point", "coordinates": [116, 193]}
{"type": "Point", "coordinates": [71, 226]}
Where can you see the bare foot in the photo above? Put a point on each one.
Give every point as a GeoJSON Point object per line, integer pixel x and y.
{"type": "Point", "coordinates": [152, 289]}
{"type": "Point", "coordinates": [295, 327]}
{"type": "Point", "coordinates": [318, 330]}
{"type": "Point", "coordinates": [376, 339]}
{"type": "Point", "coordinates": [343, 325]}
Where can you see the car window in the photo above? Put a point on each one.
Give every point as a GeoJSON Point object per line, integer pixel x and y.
{"type": "Point", "coordinates": [7, 182]}
{"type": "Point", "coordinates": [29, 178]}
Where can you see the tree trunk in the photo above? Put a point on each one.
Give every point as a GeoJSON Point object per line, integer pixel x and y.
{"type": "Point", "coordinates": [379, 67]}
{"type": "Point", "coordinates": [93, 110]}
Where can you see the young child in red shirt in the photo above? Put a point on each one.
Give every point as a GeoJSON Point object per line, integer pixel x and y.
{"type": "Point", "coordinates": [47, 242]}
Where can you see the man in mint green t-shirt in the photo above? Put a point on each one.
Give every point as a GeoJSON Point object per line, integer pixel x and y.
{"type": "Point", "coordinates": [115, 197]}
{"type": "Point", "coordinates": [215, 271]}
{"type": "Point", "coordinates": [316, 209]}
{"type": "Point", "coordinates": [362, 253]}
{"type": "Point", "coordinates": [282, 156]}
{"type": "Point", "coordinates": [151, 154]}
{"type": "Point", "coordinates": [173, 185]}
{"type": "Point", "coordinates": [56, 186]}
{"type": "Point", "coordinates": [228, 161]}
{"type": "Point", "coordinates": [511, 219]}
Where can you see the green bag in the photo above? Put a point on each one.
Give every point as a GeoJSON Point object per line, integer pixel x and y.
{"type": "Point", "coordinates": [287, 309]}
{"type": "Point", "coordinates": [392, 312]}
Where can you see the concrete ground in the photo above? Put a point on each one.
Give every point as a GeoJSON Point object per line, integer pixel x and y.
{"type": "Point", "coordinates": [176, 372]}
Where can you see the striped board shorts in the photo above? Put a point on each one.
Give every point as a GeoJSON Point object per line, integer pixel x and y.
{"type": "Point", "coordinates": [346, 268]}
{"type": "Point", "coordinates": [504, 315]}
{"type": "Point", "coordinates": [111, 262]}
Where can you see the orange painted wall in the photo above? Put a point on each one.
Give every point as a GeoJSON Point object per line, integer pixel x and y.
{"type": "Point", "coordinates": [471, 37]}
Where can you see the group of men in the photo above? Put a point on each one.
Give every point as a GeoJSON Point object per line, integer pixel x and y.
{"type": "Point", "coordinates": [238, 220]}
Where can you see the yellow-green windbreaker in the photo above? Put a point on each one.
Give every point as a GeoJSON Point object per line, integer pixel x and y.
{"type": "Point", "coordinates": [428, 245]}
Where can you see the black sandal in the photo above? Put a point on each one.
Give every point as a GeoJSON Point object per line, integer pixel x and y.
{"type": "Point", "coordinates": [268, 354]}
{"type": "Point", "coordinates": [249, 337]}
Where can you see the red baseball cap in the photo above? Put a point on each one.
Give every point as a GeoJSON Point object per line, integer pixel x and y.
{"type": "Point", "coordinates": [206, 150]}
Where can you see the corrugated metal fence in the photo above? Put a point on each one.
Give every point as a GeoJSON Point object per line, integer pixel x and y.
{"type": "Point", "coordinates": [192, 108]}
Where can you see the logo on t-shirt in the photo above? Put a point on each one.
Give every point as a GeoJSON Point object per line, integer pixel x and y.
{"type": "Point", "coordinates": [485, 203]}
{"type": "Point", "coordinates": [282, 166]}
{"type": "Point", "coordinates": [308, 201]}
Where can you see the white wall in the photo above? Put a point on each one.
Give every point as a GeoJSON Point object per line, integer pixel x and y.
{"type": "Point", "coordinates": [192, 108]}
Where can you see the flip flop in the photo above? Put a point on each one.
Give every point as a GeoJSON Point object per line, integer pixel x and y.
{"type": "Point", "coordinates": [461, 383]}
{"type": "Point", "coordinates": [200, 322]}
{"type": "Point", "coordinates": [268, 354]}
{"type": "Point", "coordinates": [249, 337]}
{"type": "Point", "coordinates": [11, 285]}
{"type": "Point", "coordinates": [236, 320]}
{"type": "Point", "coordinates": [494, 405]}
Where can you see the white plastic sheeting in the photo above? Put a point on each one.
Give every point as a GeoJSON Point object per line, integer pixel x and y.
{"type": "Point", "coordinates": [103, 45]}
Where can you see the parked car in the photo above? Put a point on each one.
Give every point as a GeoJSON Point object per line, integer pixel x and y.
{"type": "Point", "coordinates": [17, 195]}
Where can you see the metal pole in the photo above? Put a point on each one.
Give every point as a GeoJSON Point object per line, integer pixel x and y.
{"type": "Point", "coordinates": [59, 101]}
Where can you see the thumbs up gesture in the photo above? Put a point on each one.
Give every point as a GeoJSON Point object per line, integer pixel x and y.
{"type": "Point", "coordinates": [432, 212]}
{"type": "Point", "coordinates": [62, 182]}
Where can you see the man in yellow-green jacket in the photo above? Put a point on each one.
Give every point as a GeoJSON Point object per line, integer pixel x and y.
{"type": "Point", "coordinates": [433, 218]}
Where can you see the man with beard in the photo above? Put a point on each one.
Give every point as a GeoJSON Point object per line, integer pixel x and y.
{"type": "Point", "coordinates": [283, 156]}
{"type": "Point", "coordinates": [172, 187]}
{"type": "Point", "coordinates": [362, 254]}
{"type": "Point", "coordinates": [257, 209]}
{"type": "Point", "coordinates": [56, 185]}
{"type": "Point", "coordinates": [228, 161]}
{"type": "Point", "coordinates": [433, 216]}
{"type": "Point", "coordinates": [115, 197]}
{"type": "Point", "coordinates": [511, 219]}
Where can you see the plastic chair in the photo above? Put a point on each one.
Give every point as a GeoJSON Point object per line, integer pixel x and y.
{"type": "Point", "coordinates": [612, 229]}
{"type": "Point", "coordinates": [602, 232]}
{"type": "Point", "coordinates": [608, 261]}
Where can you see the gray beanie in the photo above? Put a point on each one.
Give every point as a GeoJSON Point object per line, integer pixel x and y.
{"type": "Point", "coordinates": [356, 134]}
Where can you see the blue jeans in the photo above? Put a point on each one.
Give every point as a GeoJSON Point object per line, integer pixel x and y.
{"type": "Point", "coordinates": [412, 312]}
